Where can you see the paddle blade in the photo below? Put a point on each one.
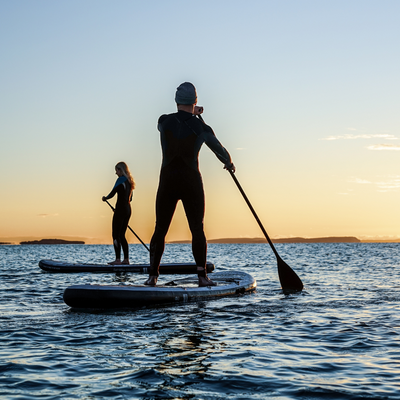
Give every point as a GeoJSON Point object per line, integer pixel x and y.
{"type": "Point", "coordinates": [288, 278]}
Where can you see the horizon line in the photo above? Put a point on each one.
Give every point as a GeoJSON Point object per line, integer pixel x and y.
{"type": "Point", "coordinates": [236, 240]}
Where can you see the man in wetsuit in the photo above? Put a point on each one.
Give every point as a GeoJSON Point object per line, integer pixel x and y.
{"type": "Point", "coordinates": [182, 135]}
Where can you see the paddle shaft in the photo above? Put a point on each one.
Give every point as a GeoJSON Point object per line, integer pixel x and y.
{"type": "Point", "coordinates": [288, 278]}
{"type": "Point", "coordinates": [140, 240]}
{"type": "Point", "coordinates": [251, 207]}
{"type": "Point", "coordinates": [254, 213]}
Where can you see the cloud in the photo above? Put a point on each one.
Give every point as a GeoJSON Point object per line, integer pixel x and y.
{"type": "Point", "coordinates": [47, 215]}
{"type": "Point", "coordinates": [361, 136]}
{"type": "Point", "coordinates": [391, 183]}
{"type": "Point", "coordinates": [384, 147]}
{"type": "Point", "coordinates": [359, 181]}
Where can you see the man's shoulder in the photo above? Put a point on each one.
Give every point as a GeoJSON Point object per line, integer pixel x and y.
{"type": "Point", "coordinates": [205, 127]}
{"type": "Point", "coordinates": [165, 117]}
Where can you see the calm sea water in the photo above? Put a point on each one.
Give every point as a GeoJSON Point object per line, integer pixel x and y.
{"type": "Point", "coordinates": [338, 339]}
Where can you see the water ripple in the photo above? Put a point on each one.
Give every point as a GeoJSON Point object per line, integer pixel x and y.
{"type": "Point", "coordinates": [338, 339]}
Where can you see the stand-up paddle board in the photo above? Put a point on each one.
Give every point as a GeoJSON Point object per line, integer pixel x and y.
{"type": "Point", "coordinates": [173, 268]}
{"type": "Point", "coordinates": [179, 290]}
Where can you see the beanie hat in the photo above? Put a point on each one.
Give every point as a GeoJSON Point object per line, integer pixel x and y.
{"type": "Point", "coordinates": [186, 94]}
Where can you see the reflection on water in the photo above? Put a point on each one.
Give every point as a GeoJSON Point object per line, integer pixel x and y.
{"type": "Point", "coordinates": [338, 339]}
{"type": "Point", "coordinates": [186, 349]}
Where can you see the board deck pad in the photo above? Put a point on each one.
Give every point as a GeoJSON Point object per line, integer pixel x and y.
{"type": "Point", "coordinates": [178, 290]}
{"type": "Point", "coordinates": [165, 268]}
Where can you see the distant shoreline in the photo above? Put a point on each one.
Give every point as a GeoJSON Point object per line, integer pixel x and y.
{"type": "Point", "coordinates": [52, 241]}
{"type": "Point", "coordinates": [327, 239]}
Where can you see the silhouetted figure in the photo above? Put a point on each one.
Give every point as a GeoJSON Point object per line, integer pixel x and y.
{"type": "Point", "coordinates": [123, 187]}
{"type": "Point", "coordinates": [182, 135]}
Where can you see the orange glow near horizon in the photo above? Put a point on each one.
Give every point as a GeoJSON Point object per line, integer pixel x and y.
{"type": "Point", "coordinates": [309, 120]}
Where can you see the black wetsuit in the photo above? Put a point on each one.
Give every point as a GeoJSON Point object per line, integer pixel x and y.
{"type": "Point", "coordinates": [182, 136]}
{"type": "Point", "coordinates": [121, 216]}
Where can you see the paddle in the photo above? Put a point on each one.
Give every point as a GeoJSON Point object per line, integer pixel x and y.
{"type": "Point", "coordinates": [140, 240]}
{"type": "Point", "coordinates": [288, 278]}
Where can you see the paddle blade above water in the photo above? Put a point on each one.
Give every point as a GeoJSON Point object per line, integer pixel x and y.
{"type": "Point", "coordinates": [288, 278]}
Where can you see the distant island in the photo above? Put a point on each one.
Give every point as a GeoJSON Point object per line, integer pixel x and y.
{"type": "Point", "coordinates": [329, 239]}
{"type": "Point", "coordinates": [4, 243]}
{"type": "Point", "coordinates": [53, 241]}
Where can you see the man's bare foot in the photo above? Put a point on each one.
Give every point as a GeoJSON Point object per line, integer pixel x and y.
{"type": "Point", "coordinates": [125, 262]}
{"type": "Point", "coordinates": [152, 281]}
{"type": "Point", "coordinates": [206, 281]}
{"type": "Point", "coordinates": [116, 262]}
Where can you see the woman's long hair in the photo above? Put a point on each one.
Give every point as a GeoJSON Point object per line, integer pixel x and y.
{"type": "Point", "coordinates": [125, 171]}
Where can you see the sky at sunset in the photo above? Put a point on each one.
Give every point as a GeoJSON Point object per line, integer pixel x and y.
{"type": "Point", "coordinates": [305, 95]}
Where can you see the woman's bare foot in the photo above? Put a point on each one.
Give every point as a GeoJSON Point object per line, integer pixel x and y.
{"type": "Point", "coordinates": [152, 280]}
{"type": "Point", "coordinates": [116, 262]}
{"type": "Point", "coordinates": [126, 261]}
{"type": "Point", "coordinates": [206, 281]}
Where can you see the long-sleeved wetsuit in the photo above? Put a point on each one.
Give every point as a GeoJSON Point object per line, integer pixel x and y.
{"type": "Point", "coordinates": [182, 135]}
{"type": "Point", "coordinates": [122, 213]}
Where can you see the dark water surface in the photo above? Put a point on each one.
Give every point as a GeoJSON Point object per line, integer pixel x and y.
{"type": "Point", "coordinates": [338, 339]}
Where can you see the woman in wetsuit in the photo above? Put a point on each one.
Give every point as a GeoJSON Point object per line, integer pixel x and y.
{"type": "Point", "coordinates": [123, 187]}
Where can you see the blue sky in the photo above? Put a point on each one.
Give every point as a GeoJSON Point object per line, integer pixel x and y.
{"type": "Point", "coordinates": [303, 94]}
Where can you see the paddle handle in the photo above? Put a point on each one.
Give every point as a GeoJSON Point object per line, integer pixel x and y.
{"type": "Point", "coordinates": [140, 240]}
{"type": "Point", "coordinates": [254, 213]}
